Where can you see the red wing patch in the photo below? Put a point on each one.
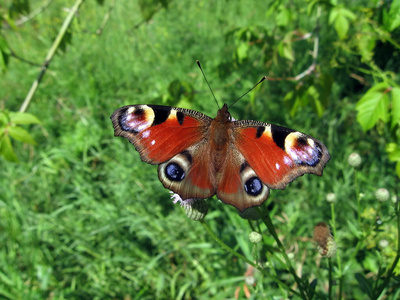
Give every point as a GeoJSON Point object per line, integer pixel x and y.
{"type": "Point", "coordinates": [159, 132]}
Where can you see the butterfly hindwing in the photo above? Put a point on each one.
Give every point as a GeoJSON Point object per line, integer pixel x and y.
{"type": "Point", "coordinates": [239, 185]}
{"type": "Point", "coordinates": [190, 173]}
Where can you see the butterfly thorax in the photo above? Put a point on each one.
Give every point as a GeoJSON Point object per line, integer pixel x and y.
{"type": "Point", "coordinates": [219, 136]}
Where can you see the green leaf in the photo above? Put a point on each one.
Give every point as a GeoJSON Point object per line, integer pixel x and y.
{"type": "Point", "coordinates": [148, 8]}
{"type": "Point", "coordinates": [4, 58]}
{"type": "Point", "coordinates": [65, 41]}
{"type": "Point", "coordinates": [366, 42]}
{"type": "Point", "coordinates": [4, 53]}
{"type": "Point", "coordinates": [364, 284]}
{"type": "Point", "coordinates": [340, 16]}
{"type": "Point", "coordinates": [398, 169]}
{"type": "Point", "coordinates": [348, 14]}
{"type": "Point", "coordinates": [242, 51]}
{"type": "Point", "coordinates": [354, 229]}
{"type": "Point", "coordinates": [7, 150]}
{"type": "Point", "coordinates": [395, 106]}
{"type": "Point", "coordinates": [23, 118]}
{"type": "Point", "coordinates": [341, 26]}
{"type": "Point", "coordinates": [310, 7]}
{"type": "Point", "coordinates": [283, 17]}
{"type": "Point", "coordinates": [314, 97]}
{"type": "Point", "coordinates": [373, 106]}
{"type": "Point", "coordinates": [333, 15]}
{"type": "Point", "coordinates": [391, 18]}
{"type": "Point", "coordinates": [4, 45]}
{"type": "Point", "coordinates": [285, 50]}
{"type": "Point", "coordinates": [21, 135]}
{"type": "Point", "coordinates": [393, 151]}
{"type": "Point", "coordinates": [324, 85]}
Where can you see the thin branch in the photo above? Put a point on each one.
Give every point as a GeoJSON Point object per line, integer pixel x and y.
{"type": "Point", "coordinates": [51, 54]}
{"type": "Point", "coordinates": [99, 31]}
{"type": "Point", "coordinates": [313, 65]}
{"type": "Point", "coordinates": [13, 54]}
{"type": "Point", "coordinates": [33, 14]}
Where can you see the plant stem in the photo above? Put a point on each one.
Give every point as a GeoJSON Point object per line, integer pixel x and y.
{"type": "Point", "coordinates": [358, 198]}
{"type": "Point", "coordinates": [397, 258]}
{"type": "Point", "coordinates": [333, 224]}
{"type": "Point", "coordinates": [268, 222]}
{"type": "Point", "coordinates": [50, 54]}
{"type": "Point", "coordinates": [330, 278]}
{"type": "Point", "coordinates": [240, 256]}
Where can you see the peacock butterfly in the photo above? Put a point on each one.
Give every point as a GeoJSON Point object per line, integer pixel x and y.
{"type": "Point", "coordinates": [198, 156]}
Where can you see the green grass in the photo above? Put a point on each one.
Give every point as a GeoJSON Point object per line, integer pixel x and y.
{"type": "Point", "coordinates": [81, 217]}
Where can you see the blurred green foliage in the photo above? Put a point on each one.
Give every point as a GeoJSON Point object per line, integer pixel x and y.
{"type": "Point", "coordinates": [81, 217]}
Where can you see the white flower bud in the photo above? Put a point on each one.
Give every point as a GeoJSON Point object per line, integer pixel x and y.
{"type": "Point", "coordinates": [354, 160]}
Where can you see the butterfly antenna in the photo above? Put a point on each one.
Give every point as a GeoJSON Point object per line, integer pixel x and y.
{"type": "Point", "coordinates": [261, 80]}
{"type": "Point", "coordinates": [209, 86]}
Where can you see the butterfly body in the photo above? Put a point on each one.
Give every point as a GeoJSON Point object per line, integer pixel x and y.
{"type": "Point", "coordinates": [198, 156]}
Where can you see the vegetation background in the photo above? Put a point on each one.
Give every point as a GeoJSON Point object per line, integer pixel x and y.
{"type": "Point", "coordinates": [81, 217]}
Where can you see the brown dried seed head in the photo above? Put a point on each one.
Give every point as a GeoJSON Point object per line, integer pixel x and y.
{"type": "Point", "coordinates": [324, 239]}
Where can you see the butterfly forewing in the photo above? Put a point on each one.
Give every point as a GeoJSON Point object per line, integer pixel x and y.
{"type": "Point", "coordinates": [159, 132]}
{"type": "Point", "coordinates": [277, 154]}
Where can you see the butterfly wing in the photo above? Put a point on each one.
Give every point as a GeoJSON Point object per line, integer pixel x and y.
{"type": "Point", "coordinates": [159, 132]}
{"type": "Point", "coordinates": [174, 138]}
{"type": "Point", "coordinates": [238, 183]}
{"type": "Point", "coordinates": [257, 155]}
{"type": "Point", "coordinates": [190, 173]}
{"type": "Point", "coordinates": [277, 154]}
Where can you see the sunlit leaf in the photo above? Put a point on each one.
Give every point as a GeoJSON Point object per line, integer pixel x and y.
{"type": "Point", "coordinates": [341, 26]}
{"type": "Point", "coordinates": [23, 118]}
{"type": "Point", "coordinates": [373, 106]}
{"type": "Point", "coordinates": [285, 50]}
{"type": "Point", "coordinates": [283, 17]}
{"type": "Point", "coordinates": [7, 150]}
{"type": "Point", "coordinates": [348, 14]}
{"type": "Point", "coordinates": [340, 16]}
{"type": "Point", "coordinates": [313, 96]}
{"type": "Point", "coordinates": [366, 42]}
{"type": "Point", "coordinates": [394, 151]}
{"type": "Point", "coordinates": [395, 106]}
{"type": "Point", "coordinates": [21, 135]}
{"type": "Point", "coordinates": [242, 51]}
{"type": "Point", "coordinates": [333, 15]}
{"type": "Point", "coordinates": [391, 18]}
